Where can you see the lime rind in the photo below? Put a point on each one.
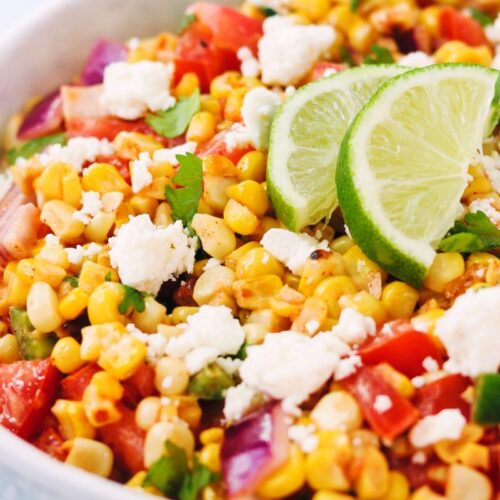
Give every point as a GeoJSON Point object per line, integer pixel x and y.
{"type": "Point", "coordinates": [305, 140]}
{"type": "Point", "coordinates": [405, 255]}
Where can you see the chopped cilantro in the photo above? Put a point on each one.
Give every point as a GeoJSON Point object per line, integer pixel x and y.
{"type": "Point", "coordinates": [174, 121]}
{"type": "Point", "coordinates": [72, 280]}
{"type": "Point", "coordinates": [184, 200]}
{"type": "Point", "coordinates": [108, 276]}
{"type": "Point", "coordinates": [186, 21]}
{"type": "Point", "coordinates": [267, 11]}
{"type": "Point", "coordinates": [378, 55]}
{"type": "Point", "coordinates": [481, 17]}
{"type": "Point", "coordinates": [34, 146]}
{"type": "Point", "coordinates": [475, 234]}
{"type": "Point", "coordinates": [173, 477]}
{"type": "Point", "coordinates": [354, 4]}
{"type": "Point", "coordinates": [346, 56]}
{"type": "Point", "coordinates": [133, 298]}
{"type": "Point", "coordinates": [242, 353]}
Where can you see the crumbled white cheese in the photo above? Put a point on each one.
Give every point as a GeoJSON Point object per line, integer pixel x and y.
{"type": "Point", "coordinates": [238, 400]}
{"type": "Point", "coordinates": [290, 366]}
{"type": "Point", "coordinates": [417, 59]}
{"type": "Point", "coordinates": [259, 107]}
{"type": "Point", "coordinates": [290, 90]}
{"type": "Point", "coordinates": [418, 381]}
{"type": "Point", "coordinates": [348, 366]}
{"type": "Point", "coordinates": [170, 155]}
{"type": "Point", "coordinates": [470, 332]}
{"type": "Point", "coordinates": [230, 365]}
{"type": "Point", "coordinates": [353, 327]}
{"type": "Point", "coordinates": [293, 249]}
{"type": "Point", "coordinates": [382, 403]}
{"type": "Point", "coordinates": [312, 326]}
{"type": "Point", "coordinates": [210, 333]}
{"type": "Point", "coordinates": [77, 254]}
{"type": "Point", "coordinates": [495, 64]}
{"type": "Point", "coordinates": [430, 365]}
{"type": "Point", "coordinates": [330, 72]}
{"type": "Point", "coordinates": [305, 436]}
{"type": "Point", "coordinates": [77, 152]}
{"type": "Point", "coordinates": [491, 166]}
{"type": "Point", "coordinates": [211, 263]}
{"type": "Point", "coordinates": [141, 176]}
{"type": "Point", "coordinates": [419, 458]}
{"type": "Point", "coordinates": [237, 137]}
{"type": "Point", "coordinates": [447, 424]}
{"type": "Point", "coordinates": [133, 89]}
{"type": "Point", "coordinates": [92, 205]}
{"type": "Point", "coordinates": [493, 31]}
{"type": "Point", "coordinates": [486, 205]}
{"type": "Point", "coordinates": [52, 239]}
{"type": "Point", "coordinates": [288, 52]}
{"type": "Point", "coordinates": [250, 66]}
{"type": "Point", "coordinates": [146, 255]}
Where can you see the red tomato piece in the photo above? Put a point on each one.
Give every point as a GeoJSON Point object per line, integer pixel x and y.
{"type": "Point", "coordinates": [27, 391]}
{"type": "Point", "coordinates": [441, 394]}
{"type": "Point", "coordinates": [139, 386]}
{"type": "Point", "coordinates": [323, 66]}
{"type": "Point", "coordinates": [454, 25]}
{"type": "Point", "coordinates": [74, 385]}
{"type": "Point", "coordinates": [51, 442]}
{"type": "Point", "coordinates": [217, 146]}
{"type": "Point", "coordinates": [231, 29]}
{"type": "Point", "coordinates": [402, 347]}
{"type": "Point", "coordinates": [126, 440]}
{"type": "Point", "coordinates": [365, 386]}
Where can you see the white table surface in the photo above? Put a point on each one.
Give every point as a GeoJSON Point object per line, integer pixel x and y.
{"type": "Point", "coordinates": [14, 11]}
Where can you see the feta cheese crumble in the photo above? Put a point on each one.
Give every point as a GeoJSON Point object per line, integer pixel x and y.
{"type": "Point", "coordinates": [238, 400]}
{"type": "Point", "coordinates": [141, 176]}
{"type": "Point", "coordinates": [146, 255]}
{"type": "Point", "coordinates": [348, 366]}
{"type": "Point", "coordinates": [293, 249]}
{"type": "Point", "coordinates": [288, 52]}
{"type": "Point", "coordinates": [430, 365]}
{"type": "Point", "coordinates": [78, 253]}
{"type": "Point", "coordinates": [447, 424]}
{"type": "Point", "coordinates": [353, 327]}
{"type": "Point", "coordinates": [417, 59]}
{"type": "Point", "coordinates": [486, 205]}
{"type": "Point", "coordinates": [382, 403]}
{"type": "Point", "coordinates": [210, 333]}
{"type": "Point", "coordinates": [493, 31]}
{"type": "Point", "coordinates": [304, 436]}
{"type": "Point", "coordinates": [491, 165]}
{"type": "Point", "coordinates": [469, 330]}
{"type": "Point", "coordinates": [250, 67]}
{"type": "Point", "coordinates": [133, 89]}
{"type": "Point", "coordinates": [91, 206]}
{"type": "Point", "coordinates": [169, 155]}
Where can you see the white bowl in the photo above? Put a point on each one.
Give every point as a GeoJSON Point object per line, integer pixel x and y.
{"type": "Point", "coordinates": [41, 54]}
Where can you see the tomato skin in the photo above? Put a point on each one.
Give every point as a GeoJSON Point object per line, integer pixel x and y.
{"type": "Point", "coordinates": [74, 385]}
{"type": "Point", "coordinates": [365, 386]}
{"type": "Point", "coordinates": [27, 391]}
{"type": "Point", "coordinates": [441, 394]}
{"type": "Point", "coordinates": [51, 442]}
{"type": "Point", "coordinates": [231, 29]}
{"type": "Point", "coordinates": [456, 26]}
{"type": "Point", "coordinates": [217, 146]}
{"type": "Point", "coordinates": [139, 386]}
{"type": "Point", "coordinates": [126, 440]}
{"type": "Point", "coordinates": [402, 347]}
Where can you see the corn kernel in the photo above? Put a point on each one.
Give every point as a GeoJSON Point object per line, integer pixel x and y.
{"type": "Point", "coordinates": [250, 194]}
{"type": "Point", "coordinates": [341, 244]}
{"type": "Point", "coordinates": [311, 317]}
{"type": "Point", "coordinates": [288, 303]}
{"type": "Point", "coordinates": [364, 272]}
{"type": "Point", "coordinates": [258, 262]}
{"type": "Point", "coordinates": [399, 488]}
{"type": "Point", "coordinates": [60, 181]}
{"type": "Point", "coordinates": [240, 219]}
{"type": "Point", "coordinates": [324, 472]}
{"type": "Point", "coordinates": [220, 166]}
{"type": "Point", "coordinates": [31, 270]}
{"type": "Point", "coordinates": [312, 9]}
{"type": "Point", "coordinates": [17, 292]}
{"type": "Point", "coordinates": [104, 302]}
{"type": "Point", "coordinates": [92, 456]}
{"type": "Point", "coordinates": [456, 52]}
{"type": "Point", "coordinates": [58, 215]}
{"type": "Point", "coordinates": [216, 238]}
{"type": "Point", "coordinates": [97, 337]}
{"type": "Point", "coordinates": [212, 435]}
{"type": "Point", "coordinates": [188, 84]}
{"type": "Point", "coordinates": [337, 410]}
{"type": "Point", "coordinates": [373, 479]}
{"type": "Point", "coordinates": [396, 379]}
{"type": "Point", "coordinates": [252, 167]}
{"type": "Point", "coordinates": [256, 293]}
{"type": "Point", "coordinates": [122, 358]}
{"type": "Point", "coordinates": [178, 434]}
{"type": "Point", "coordinates": [231, 260]}
{"type": "Point", "coordinates": [104, 178]}
{"type": "Point", "coordinates": [9, 349]}
{"type": "Point", "coordinates": [214, 191]}
{"type": "Point", "coordinates": [465, 483]}
{"type": "Point", "coordinates": [42, 308]}
{"type": "Point", "coordinates": [234, 103]}
{"type": "Point", "coordinates": [171, 376]}
{"type": "Point", "coordinates": [361, 35]}
{"type": "Point", "coordinates": [211, 282]}
{"type": "Point", "coordinates": [331, 289]}
{"type": "Point", "coordinates": [365, 304]}
{"type": "Point", "coordinates": [221, 86]}
{"type": "Point", "coordinates": [399, 299]}
{"type": "Point", "coordinates": [66, 355]}
{"type": "Point", "coordinates": [210, 456]}
{"type": "Point", "coordinates": [180, 314]}
{"type": "Point", "coordinates": [72, 419]}
{"type": "Point", "coordinates": [73, 304]}
{"type": "Point", "coordinates": [201, 128]}
{"type": "Point", "coordinates": [130, 145]}
{"type": "Point", "coordinates": [211, 105]}
{"type": "Point", "coordinates": [445, 268]}
{"type": "Point", "coordinates": [320, 265]}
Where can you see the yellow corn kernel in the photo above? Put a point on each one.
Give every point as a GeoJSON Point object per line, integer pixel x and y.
{"type": "Point", "coordinates": [254, 333]}
{"type": "Point", "coordinates": [341, 17]}
{"type": "Point", "coordinates": [480, 259]}
{"type": "Point", "coordinates": [153, 314]}
{"type": "Point", "coordinates": [474, 455]}
{"type": "Point", "coordinates": [331, 289]}
{"type": "Point", "coordinates": [449, 450]}
{"type": "Point", "coordinates": [188, 84]}
{"type": "Point", "coordinates": [107, 386]}
{"type": "Point", "coordinates": [240, 219]}
{"type": "Point", "coordinates": [171, 376]}
{"type": "Point", "coordinates": [399, 488]}
{"type": "Point", "coordinates": [66, 355]}
{"type": "Point", "coordinates": [148, 412]}
{"type": "Point", "coordinates": [129, 145]}
{"type": "Point", "coordinates": [337, 410]}
{"type": "Point", "coordinates": [55, 254]}
{"type": "Point", "coordinates": [426, 493]}
{"type": "Point", "coordinates": [92, 275]}
{"type": "Point", "coordinates": [396, 379]}
{"type": "Point", "coordinates": [180, 314]}
{"type": "Point", "coordinates": [252, 195]}
{"type": "Point", "coordinates": [479, 185]}
{"type": "Point", "coordinates": [365, 304]}
{"type": "Point", "coordinates": [320, 265]}
{"type": "Point", "coordinates": [72, 419]}
{"type": "Point", "coordinates": [143, 205]}
{"type": "Point", "coordinates": [426, 322]}
{"type": "Point", "coordinates": [465, 483]}
{"type": "Point", "coordinates": [214, 191]}
{"type": "Point", "coordinates": [73, 304]}
{"type": "Point", "coordinates": [104, 178]}
{"type": "Point", "coordinates": [219, 165]}
{"type": "Point", "coordinates": [364, 272]}
{"type": "Point", "coordinates": [58, 215]}
{"type": "Point", "coordinates": [361, 35]}
{"type": "Point", "coordinates": [216, 238]}
{"type": "Point", "coordinates": [258, 262]}
{"type": "Point", "coordinates": [429, 17]}
{"type": "Point", "coordinates": [330, 495]}
{"type": "Point", "coordinates": [31, 270]}
{"type": "Point", "coordinates": [122, 358]}
{"type": "Point", "coordinates": [210, 456]}
{"type": "Point", "coordinates": [288, 479]}
{"type": "Point", "coordinates": [399, 299]}
{"type": "Point", "coordinates": [311, 317]}
{"type": "Point", "coordinates": [163, 215]}
{"type": "Point", "coordinates": [17, 292]}
{"type": "Point", "coordinates": [212, 435]}
{"type": "Point", "coordinates": [211, 105]}
{"type": "Point", "coordinates": [256, 293]}
{"type": "Point", "coordinates": [60, 181]}
{"type": "Point", "coordinates": [9, 271]}
{"type": "Point", "coordinates": [222, 85]}
{"type": "Point", "coordinates": [288, 303]}
{"type": "Point", "coordinates": [324, 472]}
{"type": "Point", "coordinates": [252, 167]}
{"type": "Point", "coordinates": [104, 302]}
{"type": "Point", "coordinates": [9, 349]}
{"type": "Point", "coordinates": [341, 244]}
{"type": "Point", "coordinates": [340, 442]}
{"type": "Point", "coordinates": [234, 103]}
{"type": "Point", "coordinates": [445, 268]}
{"type": "Point", "coordinates": [456, 51]}
{"type": "Point", "coordinates": [231, 260]}
{"type": "Point", "coordinates": [42, 307]}
{"type": "Point", "coordinates": [136, 480]}
{"type": "Point", "coordinates": [313, 10]}
{"type": "Point", "coordinates": [177, 433]}
{"type": "Point", "coordinates": [99, 410]}
{"type": "Point", "coordinates": [269, 320]}
{"type": "Point", "coordinates": [212, 281]}
{"type": "Point", "coordinates": [95, 338]}
{"type": "Point", "coordinates": [92, 456]}
{"type": "Point", "coordinates": [372, 481]}
{"type": "Point", "coordinates": [201, 128]}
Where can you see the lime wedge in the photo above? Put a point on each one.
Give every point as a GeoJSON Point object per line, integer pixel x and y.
{"type": "Point", "coordinates": [403, 164]}
{"type": "Point", "coordinates": [305, 140]}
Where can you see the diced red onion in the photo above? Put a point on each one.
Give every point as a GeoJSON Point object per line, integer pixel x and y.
{"type": "Point", "coordinates": [43, 119]}
{"type": "Point", "coordinates": [103, 53]}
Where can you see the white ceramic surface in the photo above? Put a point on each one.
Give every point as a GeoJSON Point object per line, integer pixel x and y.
{"type": "Point", "coordinates": [43, 52]}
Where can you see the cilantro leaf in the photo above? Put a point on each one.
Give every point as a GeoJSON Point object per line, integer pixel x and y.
{"type": "Point", "coordinates": [184, 200]}
{"type": "Point", "coordinates": [242, 353]}
{"type": "Point", "coordinates": [346, 56]}
{"type": "Point", "coordinates": [174, 121]}
{"type": "Point", "coordinates": [133, 298]}
{"type": "Point", "coordinates": [354, 4]}
{"type": "Point", "coordinates": [476, 233]}
{"type": "Point", "coordinates": [481, 17]}
{"type": "Point", "coordinates": [378, 55]}
{"type": "Point", "coordinates": [193, 483]}
{"type": "Point", "coordinates": [267, 11]}
{"type": "Point", "coordinates": [186, 21]}
{"type": "Point", "coordinates": [72, 280]}
{"type": "Point", "coordinates": [34, 146]}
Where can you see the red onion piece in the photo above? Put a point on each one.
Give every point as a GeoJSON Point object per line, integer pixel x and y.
{"type": "Point", "coordinates": [44, 118]}
{"type": "Point", "coordinates": [254, 448]}
{"type": "Point", "coordinates": [103, 53]}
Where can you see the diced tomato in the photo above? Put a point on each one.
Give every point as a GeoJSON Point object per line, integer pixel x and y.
{"type": "Point", "coordinates": [453, 25]}
{"type": "Point", "coordinates": [441, 394]}
{"type": "Point", "coordinates": [126, 440]}
{"type": "Point", "coordinates": [217, 146]}
{"type": "Point", "coordinates": [27, 391]}
{"type": "Point", "coordinates": [323, 66]}
{"type": "Point", "coordinates": [74, 385]}
{"type": "Point", "coordinates": [365, 386]}
{"type": "Point", "coordinates": [402, 347]}
{"type": "Point", "coordinates": [51, 442]}
{"type": "Point", "coordinates": [139, 386]}
{"type": "Point", "coordinates": [196, 53]}
{"type": "Point", "coordinates": [231, 29]}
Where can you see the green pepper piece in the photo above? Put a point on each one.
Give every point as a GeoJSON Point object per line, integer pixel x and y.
{"type": "Point", "coordinates": [210, 383]}
{"type": "Point", "coordinates": [486, 407]}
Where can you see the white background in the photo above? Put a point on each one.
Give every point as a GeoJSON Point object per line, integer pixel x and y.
{"type": "Point", "coordinates": [14, 11]}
